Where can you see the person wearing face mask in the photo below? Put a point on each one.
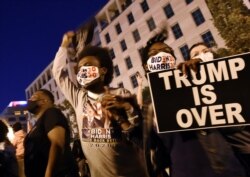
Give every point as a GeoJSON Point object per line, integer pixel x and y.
{"type": "Point", "coordinates": [201, 51]}
{"type": "Point", "coordinates": [238, 137]}
{"type": "Point", "coordinates": [47, 150]}
{"type": "Point", "coordinates": [203, 153]}
{"type": "Point", "coordinates": [108, 119]}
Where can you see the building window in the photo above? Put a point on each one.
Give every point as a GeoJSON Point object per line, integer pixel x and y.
{"type": "Point", "coordinates": [107, 38]}
{"type": "Point", "coordinates": [168, 11]}
{"type": "Point", "coordinates": [104, 24]}
{"type": "Point", "coordinates": [134, 81]}
{"type": "Point", "coordinates": [44, 79]}
{"type": "Point", "coordinates": [112, 53]}
{"type": "Point", "coordinates": [151, 24]}
{"type": "Point", "coordinates": [208, 39]}
{"type": "Point", "coordinates": [188, 1]}
{"type": "Point", "coordinates": [128, 62]}
{"type": "Point", "coordinates": [117, 71]}
{"type": "Point", "coordinates": [130, 18]}
{"type": "Point", "coordinates": [118, 28]}
{"type": "Point", "coordinates": [198, 17]}
{"type": "Point", "coordinates": [57, 95]}
{"type": "Point", "coordinates": [55, 83]}
{"type": "Point", "coordinates": [120, 85]}
{"type": "Point", "coordinates": [140, 51]}
{"type": "Point", "coordinates": [185, 52]}
{"type": "Point", "coordinates": [123, 45]}
{"type": "Point", "coordinates": [144, 6]}
{"type": "Point", "coordinates": [177, 31]}
{"type": "Point", "coordinates": [49, 75]}
{"type": "Point", "coordinates": [136, 35]}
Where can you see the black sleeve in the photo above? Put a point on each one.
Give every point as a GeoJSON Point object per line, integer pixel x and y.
{"type": "Point", "coordinates": [54, 117]}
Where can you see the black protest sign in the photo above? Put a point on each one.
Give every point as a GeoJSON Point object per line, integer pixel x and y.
{"type": "Point", "coordinates": [216, 97]}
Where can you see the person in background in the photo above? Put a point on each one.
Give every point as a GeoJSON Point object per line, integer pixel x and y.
{"type": "Point", "coordinates": [19, 135]}
{"type": "Point", "coordinates": [108, 118]}
{"type": "Point", "coordinates": [203, 153]}
{"type": "Point", "coordinates": [8, 162]}
{"type": "Point", "coordinates": [238, 137]}
{"type": "Point", "coordinates": [47, 151]}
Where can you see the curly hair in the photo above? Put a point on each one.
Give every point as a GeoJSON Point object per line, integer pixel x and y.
{"type": "Point", "coordinates": [102, 55]}
{"type": "Point", "coordinates": [49, 94]}
{"type": "Point", "coordinates": [160, 37]}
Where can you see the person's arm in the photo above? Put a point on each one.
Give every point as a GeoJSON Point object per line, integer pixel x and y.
{"type": "Point", "coordinates": [60, 72]}
{"type": "Point", "coordinates": [188, 66]}
{"type": "Point", "coordinates": [126, 112]}
{"type": "Point", "coordinates": [57, 140]}
{"type": "Point", "coordinates": [139, 90]}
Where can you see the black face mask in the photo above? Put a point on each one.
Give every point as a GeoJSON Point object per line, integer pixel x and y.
{"type": "Point", "coordinates": [32, 106]}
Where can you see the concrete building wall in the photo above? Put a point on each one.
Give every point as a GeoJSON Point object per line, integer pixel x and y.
{"type": "Point", "coordinates": [182, 15]}
{"type": "Point", "coordinates": [116, 12]}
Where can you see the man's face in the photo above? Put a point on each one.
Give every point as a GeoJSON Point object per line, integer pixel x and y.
{"type": "Point", "coordinates": [159, 58]}
{"type": "Point", "coordinates": [90, 72]}
{"type": "Point", "coordinates": [37, 96]}
{"type": "Point", "coordinates": [36, 101]}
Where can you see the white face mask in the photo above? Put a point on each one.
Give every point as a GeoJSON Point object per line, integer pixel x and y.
{"type": "Point", "coordinates": [207, 56]}
{"type": "Point", "coordinates": [87, 74]}
{"type": "Point", "coordinates": [161, 61]}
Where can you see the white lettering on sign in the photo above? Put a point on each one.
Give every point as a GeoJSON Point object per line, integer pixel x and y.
{"type": "Point", "coordinates": [215, 73]}
{"type": "Point", "coordinates": [218, 116]}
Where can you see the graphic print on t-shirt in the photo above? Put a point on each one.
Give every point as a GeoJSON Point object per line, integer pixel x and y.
{"type": "Point", "coordinates": [97, 125]}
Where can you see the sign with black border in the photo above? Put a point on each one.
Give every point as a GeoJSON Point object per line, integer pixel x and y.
{"type": "Point", "coordinates": [218, 96]}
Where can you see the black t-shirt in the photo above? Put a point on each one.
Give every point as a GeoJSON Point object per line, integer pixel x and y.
{"type": "Point", "coordinates": [37, 146]}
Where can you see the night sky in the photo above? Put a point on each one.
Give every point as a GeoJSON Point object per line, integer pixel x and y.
{"type": "Point", "coordinates": [31, 32]}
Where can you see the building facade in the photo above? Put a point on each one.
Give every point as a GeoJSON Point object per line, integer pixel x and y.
{"type": "Point", "coordinates": [16, 112]}
{"type": "Point", "coordinates": [124, 26]}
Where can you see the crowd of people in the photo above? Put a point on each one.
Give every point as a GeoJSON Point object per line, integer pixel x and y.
{"type": "Point", "coordinates": [117, 131]}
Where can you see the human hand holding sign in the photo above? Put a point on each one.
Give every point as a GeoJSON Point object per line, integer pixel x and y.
{"type": "Point", "coordinates": [187, 66]}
